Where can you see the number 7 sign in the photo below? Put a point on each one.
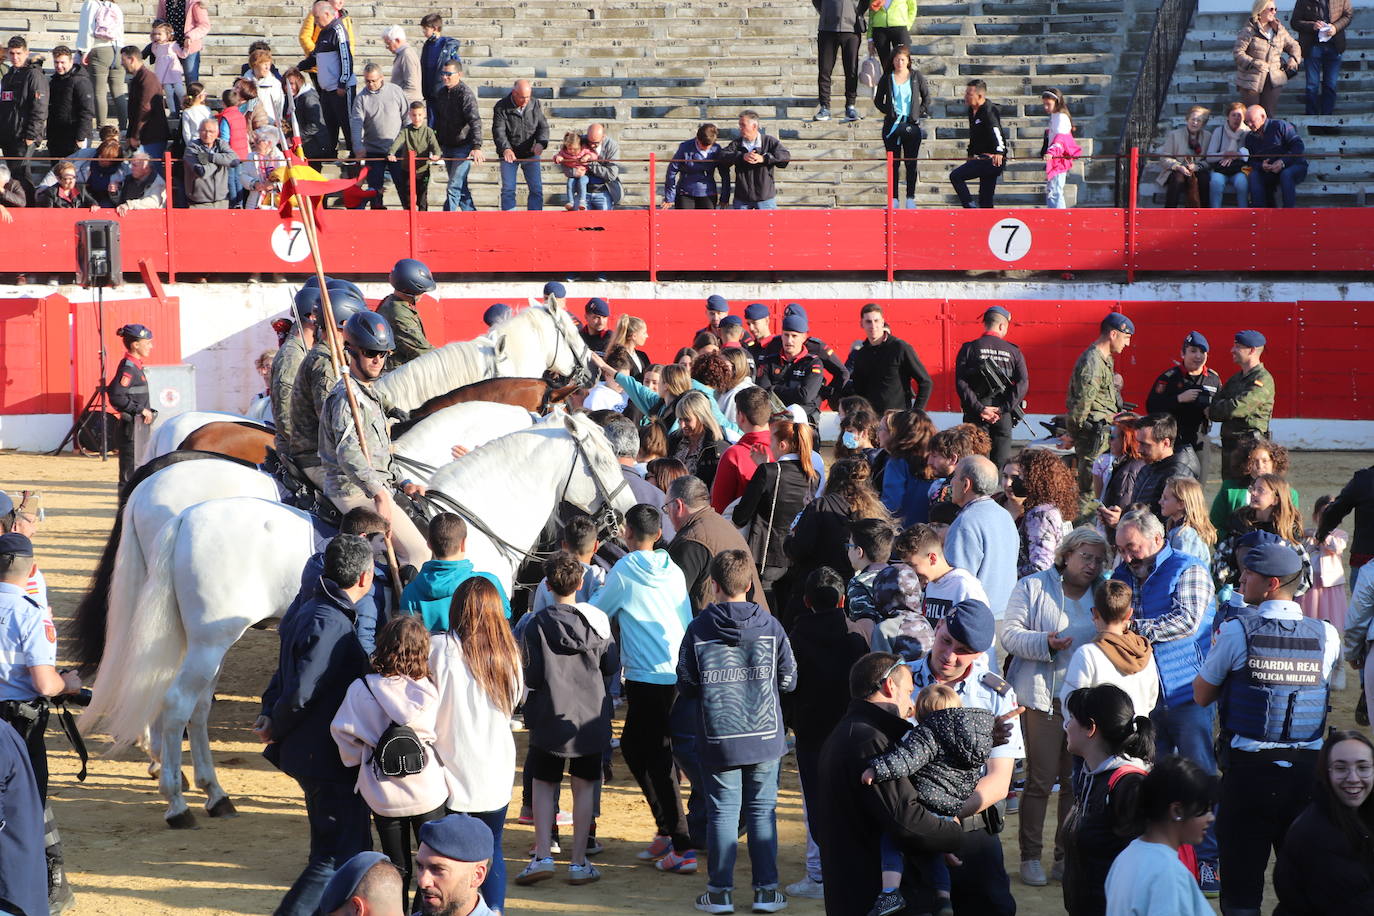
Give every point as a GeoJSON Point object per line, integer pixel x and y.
{"type": "Point", "coordinates": [288, 241]}
{"type": "Point", "coordinates": [1010, 239]}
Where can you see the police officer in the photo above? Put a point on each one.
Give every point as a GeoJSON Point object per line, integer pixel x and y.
{"type": "Point", "coordinates": [958, 659]}
{"type": "Point", "coordinates": [496, 313]}
{"type": "Point", "coordinates": [980, 369]}
{"type": "Point", "coordinates": [596, 332]}
{"type": "Point", "coordinates": [792, 373]}
{"type": "Point", "coordinates": [410, 279]}
{"type": "Point", "coordinates": [287, 364]}
{"type": "Point", "coordinates": [1271, 671]}
{"type": "Point", "coordinates": [129, 393]}
{"type": "Point", "coordinates": [831, 364]}
{"type": "Point", "coordinates": [1094, 396]}
{"type": "Point", "coordinates": [1185, 391]}
{"type": "Point", "coordinates": [758, 322]}
{"type": "Point", "coordinates": [358, 471]}
{"type": "Point", "coordinates": [1245, 404]}
{"type": "Point", "coordinates": [717, 307]}
{"type": "Point", "coordinates": [314, 380]}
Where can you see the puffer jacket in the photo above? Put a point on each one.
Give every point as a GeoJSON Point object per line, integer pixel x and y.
{"type": "Point", "coordinates": [71, 105]}
{"type": "Point", "coordinates": [944, 754]}
{"type": "Point", "coordinates": [370, 706]}
{"type": "Point", "coordinates": [1258, 56]}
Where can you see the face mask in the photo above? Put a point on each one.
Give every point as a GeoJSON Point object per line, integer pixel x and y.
{"type": "Point", "coordinates": [849, 440]}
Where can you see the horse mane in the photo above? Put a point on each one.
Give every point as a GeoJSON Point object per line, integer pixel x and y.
{"type": "Point", "coordinates": [457, 396]}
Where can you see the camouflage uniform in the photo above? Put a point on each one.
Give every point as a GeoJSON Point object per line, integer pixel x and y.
{"type": "Point", "coordinates": [1244, 405]}
{"type": "Point", "coordinates": [409, 330]}
{"type": "Point", "coordinates": [285, 365]}
{"type": "Point", "coordinates": [1093, 401]}
{"type": "Point", "coordinates": [314, 381]}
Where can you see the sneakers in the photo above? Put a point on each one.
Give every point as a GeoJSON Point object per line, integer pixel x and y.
{"type": "Point", "coordinates": [1014, 799]}
{"type": "Point", "coordinates": [594, 846]}
{"type": "Point", "coordinates": [811, 890]}
{"type": "Point", "coordinates": [585, 873]}
{"type": "Point", "coordinates": [716, 902]}
{"type": "Point", "coordinates": [660, 847]}
{"type": "Point", "coordinates": [538, 870]}
{"type": "Point", "coordinates": [685, 864]}
{"type": "Point", "coordinates": [1209, 879]}
{"type": "Point", "coordinates": [852, 114]}
{"type": "Point", "coordinates": [887, 904]}
{"type": "Point", "coordinates": [822, 114]}
{"type": "Point", "coordinates": [1032, 874]}
{"type": "Point", "coordinates": [554, 848]}
{"type": "Point", "coordinates": [769, 900]}
{"type": "Point", "coordinates": [525, 819]}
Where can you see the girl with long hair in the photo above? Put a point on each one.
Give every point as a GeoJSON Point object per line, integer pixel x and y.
{"type": "Point", "coordinates": [1271, 509]}
{"type": "Point", "coordinates": [1051, 502]}
{"type": "Point", "coordinates": [697, 442]}
{"type": "Point", "coordinates": [477, 668]}
{"type": "Point", "coordinates": [631, 334]}
{"type": "Point", "coordinates": [1327, 598]}
{"type": "Point", "coordinates": [1185, 517]}
{"type": "Point", "coordinates": [741, 377]}
{"type": "Point", "coordinates": [777, 493]}
{"type": "Point", "coordinates": [1251, 458]}
{"type": "Point", "coordinates": [906, 479]}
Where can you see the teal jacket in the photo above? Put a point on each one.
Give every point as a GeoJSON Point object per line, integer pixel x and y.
{"type": "Point", "coordinates": [430, 593]}
{"type": "Point", "coordinates": [650, 403]}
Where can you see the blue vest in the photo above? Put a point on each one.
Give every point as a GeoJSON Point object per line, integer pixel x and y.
{"type": "Point", "coordinates": [1282, 693]}
{"type": "Point", "coordinates": [1178, 660]}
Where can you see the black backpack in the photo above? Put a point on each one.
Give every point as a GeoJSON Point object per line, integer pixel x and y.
{"type": "Point", "coordinates": [399, 751]}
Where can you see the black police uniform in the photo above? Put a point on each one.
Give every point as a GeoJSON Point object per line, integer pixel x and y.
{"type": "Point", "coordinates": [129, 396]}
{"type": "Point", "coordinates": [830, 363]}
{"type": "Point", "coordinates": [1193, 422]}
{"type": "Point", "coordinates": [794, 381]}
{"type": "Point", "coordinates": [976, 388]}
{"type": "Point", "coordinates": [596, 341]}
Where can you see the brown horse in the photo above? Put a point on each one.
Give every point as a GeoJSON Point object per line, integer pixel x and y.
{"type": "Point", "coordinates": [246, 440]}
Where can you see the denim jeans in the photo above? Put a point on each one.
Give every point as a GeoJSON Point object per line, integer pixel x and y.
{"type": "Point", "coordinates": [1263, 185]}
{"type": "Point", "coordinates": [459, 195]}
{"type": "Point", "coordinates": [494, 885]}
{"type": "Point", "coordinates": [599, 199]}
{"type": "Point", "coordinates": [754, 789]}
{"type": "Point", "coordinates": [534, 181]}
{"type": "Point", "coordinates": [1323, 69]}
{"type": "Point", "coordinates": [1054, 191]}
{"type": "Point", "coordinates": [987, 175]}
{"type": "Point", "coordinates": [1187, 730]}
{"type": "Point", "coordinates": [190, 68]}
{"type": "Point", "coordinates": [577, 191]}
{"type": "Point", "coordinates": [682, 722]}
{"type": "Point", "coordinates": [340, 828]}
{"type": "Point", "coordinates": [769, 204]}
{"type": "Point", "coordinates": [1239, 181]}
{"type": "Point", "coordinates": [377, 170]}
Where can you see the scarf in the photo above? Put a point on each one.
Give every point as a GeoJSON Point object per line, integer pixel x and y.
{"type": "Point", "coordinates": [1129, 652]}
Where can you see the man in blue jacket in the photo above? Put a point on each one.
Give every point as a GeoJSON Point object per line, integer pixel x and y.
{"type": "Point", "coordinates": [373, 610]}
{"type": "Point", "coordinates": [320, 656]}
{"type": "Point", "coordinates": [736, 660]}
{"type": "Point", "coordinates": [431, 592]}
{"type": "Point", "coordinates": [983, 538]}
{"type": "Point", "coordinates": [1275, 159]}
{"type": "Point", "coordinates": [691, 180]}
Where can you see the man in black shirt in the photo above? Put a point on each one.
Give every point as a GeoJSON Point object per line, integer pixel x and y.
{"type": "Point", "coordinates": [1184, 391]}
{"type": "Point", "coordinates": [882, 367]}
{"type": "Point", "coordinates": [128, 392]}
{"type": "Point", "coordinates": [596, 333]}
{"type": "Point", "coordinates": [981, 371]}
{"type": "Point", "coordinates": [987, 149]}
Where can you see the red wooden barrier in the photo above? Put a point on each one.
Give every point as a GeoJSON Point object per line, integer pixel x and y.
{"type": "Point", "coordinates": [35, 355]}
{"type": "Point", "coordinates": [163, 317]}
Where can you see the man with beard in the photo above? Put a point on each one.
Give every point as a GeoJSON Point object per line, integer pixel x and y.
{"type": "Point", "coordinates": [451, 865]}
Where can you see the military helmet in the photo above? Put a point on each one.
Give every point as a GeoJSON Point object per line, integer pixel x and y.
{"type": "Point", "coordinates": [369, 331]}
{"type": "Point", "coordinates": [411, 277]}
{"type": "Point", "coordinates": [345, 303]}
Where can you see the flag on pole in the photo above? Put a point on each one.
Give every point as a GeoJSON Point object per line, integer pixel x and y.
{"type": "Point", "coordinates": [304, 181]}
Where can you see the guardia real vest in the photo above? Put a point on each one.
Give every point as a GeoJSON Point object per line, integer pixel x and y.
{"type": "Point", "coordinates": [1179, 660]}
{"type": "Point", "coordinates": [1282, 693]}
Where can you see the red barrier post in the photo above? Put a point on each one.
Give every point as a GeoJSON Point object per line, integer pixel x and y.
{"type": "Point", "coordinates": [889, 228]}
{"type": "Point", "coordinates": [414, 202]}
{"type": "Point", "coordinates": [167, 218]}
{"type": "Point", "coordinates": [653, 218]}
{"type": "Point", "coordinates": [1132, 195]}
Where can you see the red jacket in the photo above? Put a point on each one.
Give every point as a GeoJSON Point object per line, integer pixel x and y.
{"type": "Point", "coordinates": [735, 469]}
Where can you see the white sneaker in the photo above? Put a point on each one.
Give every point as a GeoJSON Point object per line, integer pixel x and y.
{"type": "Point", "coordinates": [911, 203]}
{"type": "Point", "coordinates": [537, 870]}
{"type": "Point", "coordinates": [1033, 874]}
{"type": "Point", "coordinates": [812, 890]}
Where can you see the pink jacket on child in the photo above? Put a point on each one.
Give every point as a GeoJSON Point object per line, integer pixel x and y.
{"type": "Point", "coordinates": [1062, 150]}
{"type": "Point", "coordinates": [358, 725]}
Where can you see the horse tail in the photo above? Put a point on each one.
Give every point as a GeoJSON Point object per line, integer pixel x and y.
{"type": "Point", "coordinates": [86, 629]}
{"type": "Point", "coordinates": [147, 641]}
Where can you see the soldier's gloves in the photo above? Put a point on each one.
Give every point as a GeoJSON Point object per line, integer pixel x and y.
{"type": "Point", "coordinates": [398, 414]}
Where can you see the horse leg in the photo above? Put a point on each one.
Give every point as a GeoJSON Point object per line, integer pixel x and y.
{"type": "Point", "coordinates": [217, 803]}
{"type": "Point", "coordinates": [195, 677]}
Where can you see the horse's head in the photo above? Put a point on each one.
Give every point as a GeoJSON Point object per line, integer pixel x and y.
{"type": "Point", "coordinates": [601, 492]}
{"type": "Point", "coordinates": [569, 361]}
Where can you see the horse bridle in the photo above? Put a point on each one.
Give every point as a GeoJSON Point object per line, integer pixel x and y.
{"type": "Point", "coordinates": [582, 375]}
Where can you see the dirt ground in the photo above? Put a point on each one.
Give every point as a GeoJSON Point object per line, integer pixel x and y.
{"type": "Point", "coordinates": [124, 860]}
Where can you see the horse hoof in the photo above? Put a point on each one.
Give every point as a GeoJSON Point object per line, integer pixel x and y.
{"type": "Point", "coordinates": [223, 808]}
{"type": "Point", "coordinates": [183, 821]}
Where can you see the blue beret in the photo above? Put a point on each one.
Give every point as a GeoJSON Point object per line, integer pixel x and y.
{"type": "Point", "coordinates": [971, 623]}
{"type": "Point", "coordinates": [460, 837]}
{"type": "Point", "coordinates": [732, 321]}
{"type": "Point", "coordinates": [1250, 338]}
{"type": "Point", "coordinates": [1277, 560]}
{"type": "Point", "coordinates": [347, 878]}
{"type": "Point", "coordinates": [1194, 339]}
{"type": "Point", "coordinates": [717, 304]}
{"type": "Point", "coordinates": [556, 289]}
{"type": "Point", "coordinates": [15, 545]}
{"type": "Point", "coordinates": [998, 311]}
{"type": "Point", "coordinates": [755, 311]}
{"type": "Point", "coordinates": [1116, 321]}
{"type": "Point", "coordinates": [793, 308]}
{"type": "Point", "coordinates": [497, 312]}
{"type": "Point", "coordinates": [1254, 538]}
{"type": "Point", "coordinates": [599, 306]}
{"type": "Point", "coordinates": [795, 321]}
{"type": "Point", "coordinates": [135, 332]}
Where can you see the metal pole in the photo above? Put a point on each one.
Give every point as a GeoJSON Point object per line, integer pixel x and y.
{"type": "Point", "coordinates": [889, 228]}
{"type": "Point", "coordinates": [167, 219]}
{"type": "Point", "coordinates": [414, 202]}
{"type": "Point", "coordinates": [653, 219]}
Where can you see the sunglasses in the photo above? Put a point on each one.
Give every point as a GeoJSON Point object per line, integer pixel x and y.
{"type": "Point", "coordinates": [376, 354]}
{"type": "Point", "coordinates": [887, 674]}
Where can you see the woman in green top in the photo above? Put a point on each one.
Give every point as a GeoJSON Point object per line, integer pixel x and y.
{"type": "Point", "coordinates": [889, 27]}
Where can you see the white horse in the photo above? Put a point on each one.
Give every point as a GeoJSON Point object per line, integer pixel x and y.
{"type": "Point", "coordinates": [223, 565]}
{"type": "Point", "coordinates": [167, 435]}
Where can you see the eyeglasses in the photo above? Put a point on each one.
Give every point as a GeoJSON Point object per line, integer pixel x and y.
{"type": "Point", "coordinates": [878, 685]}
{"type": "Point", "coordinates": [376, 354]}
{"type": "Point", "coordinates": [1341, 770]}
{"type": "Point", "coordinates": [1092, 559]}
{"type": "Point", "coordinates": [449, 73]}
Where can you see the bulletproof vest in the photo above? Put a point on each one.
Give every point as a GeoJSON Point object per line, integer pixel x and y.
{"type": "Point", "coordinates": [1282, 693]}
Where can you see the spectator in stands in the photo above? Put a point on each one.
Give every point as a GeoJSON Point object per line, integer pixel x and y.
{"type": "Point", "coordinates": [1276, 159]}
{"type": "Point", "coordinates": [603, 172]}
{"type": "Point", "coordinates": [206, 167]}
{"type": "Point", "coordinates": [1320, 25]}
{"type": "Point", "coordinates": [83, 159]}
{"type": "Point", "coordinates": [889, 28]}
{"type": "Point", "coordinates": [271, 94]}
{"type": "Point", "coordinates": [1182, 164]}
{"type": "Point", "coordinates": [405, 67]}
{"type": "Point", "coordinates": [1060, 149]}
{"type": "Point", "coordinates": [190, 22]}
{"type": "Point", "coordinates": [904, 99]}
{"type": "Point", "coordinates": [521, 133]}
{"type": "Point", "coordinates": [67, 194]}
{"type": "Point", "coordinates": [572, 158]}
{"type": "Point", "coordinates": [306, 109]}
{"type": "Point", "coordinates": [458, 125]}
{"type": "Point", "coordinates": [166, 63]}
{"type": "Point", "coordinates": [987, 149]}
{"type": "Point", "coordinates": [144, 189]}
{"type": "Point", "coordinates": [11, 191]}
{"type": "Point", "coordinates": [1226, 157]}
{"type": "Point", "coordinates": [379, 113]}
{"type": "Point", "coordinates": [71, 105]}
{"type": "Point", "coordinates": [23, 109]}
{"type": "Point", "coordinates": [147, 106]}
{"type": "Point", "coordinates": [104, 176]}
{"type": "Point", "coordinates": [311, 28]}
{"type": "Point", "coordinates": [246, 98]}
{"type": "Point", "coordinates": [330, 48]}
{"type": "Point", "coordinates": [233, 129]}
{"type": "Point", "coordinates": [753, 155]}
{"type": "Point", "coordinates": [436, 52]}
{"type": "Point", "coordinates": [416, 137]}
{"type": "Point", "coordinates": [883, 367]}
{"type": "Point", "coordinates": [841, 24]}
{"type": "Point", "coordinates": [99, 36]}
{"type": "Point", "coordinates": [691, 180]}
{"type": "Point", "coordinates": [255, 173]}
{"type": "Point", "coordinates": [194, 112]}
{"type": "Point", "coordinates": [1260, 46]}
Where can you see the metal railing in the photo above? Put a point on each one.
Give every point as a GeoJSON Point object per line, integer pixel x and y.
{"type": "Point", "coordinates": [1152, 82]}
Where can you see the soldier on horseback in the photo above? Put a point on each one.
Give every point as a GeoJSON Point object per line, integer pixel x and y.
{"type": "Point", "coordinates": [410, 279]}
{"type": "Point", "coordinates": [287, 363]}
{"type": "Point", "coordinates": [316, 378]}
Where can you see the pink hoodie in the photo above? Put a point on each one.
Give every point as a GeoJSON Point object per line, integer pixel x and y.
{"type": "Point", "coordinates": [358, 725]}
{"type": "Point", "coordinates": [1062, 150]}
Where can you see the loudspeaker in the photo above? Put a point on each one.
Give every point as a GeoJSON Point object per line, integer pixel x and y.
{"type": "Point", "coordinates": [98, 262]}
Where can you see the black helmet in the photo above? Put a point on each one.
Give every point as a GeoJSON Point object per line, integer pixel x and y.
{"type": "Point", "coordinates": [411, 277]}
{"type": "Point", "coordinates": [368, 331]}
{"type": "Point", "coordinates": [308, 302]}
{"type": "Point", "coordinates": [344, 301]}
{"type": "Point", "coordinates": [333, 283]}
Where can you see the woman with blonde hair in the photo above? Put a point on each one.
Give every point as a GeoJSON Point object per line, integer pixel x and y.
{"type": "Point", "coordinates": [1185, 516]}
{"type": "Point", "coordinates": [777, 493]}
{"type": "Point", "coordinates": [631, 333]}
{"type": "Point", "coordinates": [1227, 156]}
{"type": "Point", "coordinates": [697, 442]}
{"type": "Point", "coordinates": [477, 669]}
{"type": "Point", "coordinates": [1259, 49]}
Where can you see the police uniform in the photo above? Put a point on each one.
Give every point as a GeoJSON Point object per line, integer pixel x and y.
{"type": "Point", "coordinates": [129, 395]}
{"type": "Point", "coordinates": [28, 638]}
{"type": "Point", "coordinates": [405, 322]}
{"type": "Point", "coordinates": [1092, 402]}
{"type": "Point", "coordinates": [1244, 405]}
{"type": "Point", "coordinates": [976, 391]}
{"type": "Point", "coordinates": [314, 380]}
{"type": "Point", "coordinates": [596, 341]}
{"type": "Point", "coordinates": [831, 364]}
{"type": "Point", "coordinates": [794, 381]}
{"type": "Point", "coordinates": [1193, 422]}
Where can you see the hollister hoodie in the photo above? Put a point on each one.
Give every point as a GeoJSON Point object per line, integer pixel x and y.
{"type": "Point", "coordinates": [646, 592]}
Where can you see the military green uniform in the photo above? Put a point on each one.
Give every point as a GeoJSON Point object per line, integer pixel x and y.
{"type": "Point", "coordinates": [409, 330]}
{"type": "Point", "coordinates": [314, 380]}
{"type": "Point", "coordinates": [1093, 401]}
{"type": "Point", "coordinates": [1244, 405]}
{"type": "Point", "coordinates": [285, 365]}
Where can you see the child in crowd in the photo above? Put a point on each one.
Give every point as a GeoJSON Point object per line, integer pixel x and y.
{"type": "Point", "coordinates": [419, 137]}
{"type": "Point", "coordinates": [1116, 656]}
{"type": "Point", "coordinates": [167, 56]}
{"type": "Point", "coordinates": [233, 129]}
{"type": "Point", "coordinates": [1060, 148]}
{"type": "Point", "coordinates": [193, 112]}
{"type": "Point", "coordinates": [579, 539]}
{"type": "Point", "coordinates": [569, 657]}
{"type": "Point", "coordinates": [606, 394]}
{"type": "Point", "coordinates": [922, 548]}
{"type": "Point", "coordinates": [870, 545]}
{"type": "Point", "coordinates": [903, 628]}
{"type": "Point", "coordinates": [1185, 515]}
{"type": "Point", "coordinates": [944, 754]}
{"type": "Point", "coordinates": [572, 158]}
{"type": "Point", "coordinates": [1327, 598]}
